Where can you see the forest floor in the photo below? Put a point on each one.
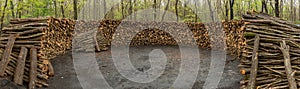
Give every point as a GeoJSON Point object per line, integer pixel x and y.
{"type": "Point", "coordinates": [66, 78]}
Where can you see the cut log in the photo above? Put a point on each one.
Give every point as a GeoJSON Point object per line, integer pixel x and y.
{"type": "Point", "coordinates": [19, 73]}
{"type": "Point", "coordinates": [33, 68]}
{"type": "Point", "coordinates": [5, 57]}
{"type": "Point", "coordinates": [287, 62]}
{"type": "Point", "coordinates": [254, 66]}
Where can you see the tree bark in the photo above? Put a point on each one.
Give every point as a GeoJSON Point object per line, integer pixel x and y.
{"type": "Point", "coordinates": [277, 13]}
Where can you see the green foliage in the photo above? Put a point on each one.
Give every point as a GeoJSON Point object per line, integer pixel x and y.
{"type": "Point", "coordinates": [46, 8]}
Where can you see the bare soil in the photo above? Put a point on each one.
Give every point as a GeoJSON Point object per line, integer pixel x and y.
{"type": "Point", "coordinates": [65, 75]}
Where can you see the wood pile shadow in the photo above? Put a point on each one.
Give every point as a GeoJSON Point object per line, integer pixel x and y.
{"type": "Point", "coordinates": [271, 58]}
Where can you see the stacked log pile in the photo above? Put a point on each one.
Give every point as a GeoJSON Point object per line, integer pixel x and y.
{"type": "Point", "coordinates": [234, 31]}
{"type": "Point", "coordinates": [272, 57]}
{"type": "Point", "coordinates": [87, 37]}
{"type": "Point", "coordinates": [27, 45]}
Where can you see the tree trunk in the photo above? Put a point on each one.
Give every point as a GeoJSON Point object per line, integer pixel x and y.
{"type": "Point", "coordinates": [196, 11]}
{"type": "Point", "coordinates": [231, 9]}
{"type": "Point", "coordinates": [226, 10]}
{"type": "Point", "coordinates": [122, 8]}
{"type": "Point", "coordinates": [264, 6]}
{"type": "Point", "coordinates": [20, 9]}
{"type": "Point", "coordinates": [155, 9]}
{"type": "Point", "coordinates": [75, 9]}
{"type": "Point", "coordinates": [291, 10]}
{"type": "Point", "coordinates": [3, 14]}
{"type": "Point", "coordinates": [176, 9]}
{"type": "Point", "coordinates": [277, 14]}
{"type": "Point", "coordinates": [166, 8]}
{"type": "Point", "coordinates": [12, 9]}
{"type": "Point", "coordinates": [211, 11]}
{"type": "Point", "coordinates": [105, 8]}
{"type": "Point", "coordinates": [62, 10]}
{"type": "Point", "coordinates": [299, 9]}
{"type": "Point", "coordinates": [55, 8]}
{"type": "Point", "coordinates": [130, 9]}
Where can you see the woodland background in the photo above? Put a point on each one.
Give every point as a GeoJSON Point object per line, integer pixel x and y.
{"type": "Point", "coordinates": [226, 9]}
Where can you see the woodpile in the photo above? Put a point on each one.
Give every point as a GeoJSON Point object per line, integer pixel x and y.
{"type": "Point", "coordinates": [87, 37]}
{"type": "Point", "coordinates": [234, 31]}
{"type": "Point", "coordinates": [27, 45]}
{"type": "Point", "coordinates": [272, 56]}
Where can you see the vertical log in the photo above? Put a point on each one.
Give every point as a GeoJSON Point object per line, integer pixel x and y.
{"type": "Point", "coordinates": [5, 57]}
{"type": "Point", "coordinates": [51, 69]}
{"type": "Point", "coordinates": [19, 72]}
{"type": "Point", "coordinates": [287, 63]}
{"type": "Point", "coordinates": [33, 68]}
{"type": "Point", "coordinates": [96, 43]}
{"type": "Point", "coordinates": [254, 66]}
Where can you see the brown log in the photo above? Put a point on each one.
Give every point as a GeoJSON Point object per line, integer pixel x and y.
{"type": "Point", "coordinates": [254, 66]}
{"type": "Point", "coordinates": [5, 57]}
{"type": "Point", "coordinates": [33, 68]}
{"type": "Point", "coordinates": [19, 72]}
{"type": "Point", "coordinates": [96, 43]}
{"type": "Point", "coordinates": [51, 69]}
{"type": "Point", "coordinates": [287, 62]}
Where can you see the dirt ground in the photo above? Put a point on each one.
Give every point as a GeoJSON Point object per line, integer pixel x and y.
{"type": "Point", "coordinates": [65, 75]}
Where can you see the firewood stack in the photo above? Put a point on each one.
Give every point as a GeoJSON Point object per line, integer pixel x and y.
{"type": "Point", "coordinates": [234, 31]}
{"type": "Point", "coordinates": [87, 37]}
{"type": "Point", "coordinates": [57, 37]}
{"type": "Point", "coordinates": [27, 45]}
{"type": "Point", "coordinates": [272, 55]}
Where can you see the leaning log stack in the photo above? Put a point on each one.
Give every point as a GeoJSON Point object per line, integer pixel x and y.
{"type": "Point", "coordinates": [272, 55]}
{"type": "Point", "coordinates": [27, 45]}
